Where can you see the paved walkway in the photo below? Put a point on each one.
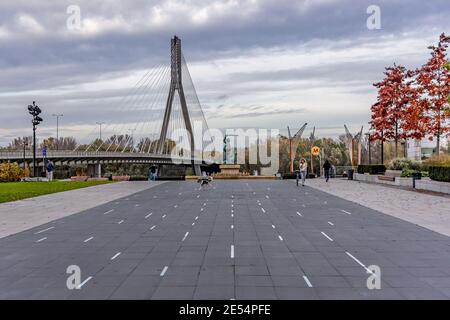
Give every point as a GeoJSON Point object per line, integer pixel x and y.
{"type": "Point", "coordinates": [236, 240]}
{"type": "Point", "coordinates": [22, 215]}
{"type": "Point", "coordinates": [429, 211]}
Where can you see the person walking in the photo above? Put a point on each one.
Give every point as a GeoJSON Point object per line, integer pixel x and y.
{"type": "Point", "coordinates": [326, 170]}
{"type": "Point", "coordinates": [50, 169]}
{"type": "Point", "coordinates": [303, 170]}
{"type": "Point", "coordinates": [150, 173]}
{"type": "Point", "coordinates": [153, 171]}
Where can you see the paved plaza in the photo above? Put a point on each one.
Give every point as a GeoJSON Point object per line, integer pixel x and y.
{"type": "Point", "coordinates": [237, 239]}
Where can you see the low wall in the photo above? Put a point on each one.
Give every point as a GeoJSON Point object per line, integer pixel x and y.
{"type": "Point", "coordinates": [431, 185]}
{"type": "Point", "coordinates": [422, 184]}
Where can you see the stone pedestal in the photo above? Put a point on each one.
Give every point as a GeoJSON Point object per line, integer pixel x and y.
{"type": "Point", "coordinates": [230, 169]}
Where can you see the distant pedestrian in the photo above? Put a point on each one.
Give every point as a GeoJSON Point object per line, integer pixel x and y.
{"type": "Point", "coordinates": [303, 167]}
{"type": "Point", "coordinates": [326, 170]}
{"type": "Point", "coordinates": [152, 173]}
{"type": "Point", "coordinates": [50, 169]}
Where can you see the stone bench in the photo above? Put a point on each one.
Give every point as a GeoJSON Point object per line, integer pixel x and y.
{"type": "Point", "coordinates": [390, 175]}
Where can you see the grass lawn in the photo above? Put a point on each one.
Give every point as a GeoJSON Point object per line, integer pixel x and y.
{"type": "Point", "coordinates": [12, 191]}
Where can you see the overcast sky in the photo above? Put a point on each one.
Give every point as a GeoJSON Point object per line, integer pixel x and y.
{"type": "Point", "coordinates": [254, 63]}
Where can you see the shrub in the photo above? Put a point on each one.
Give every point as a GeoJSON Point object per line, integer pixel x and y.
{"type": "Point", "coordinates": [405, 164]}
{"type": "Point", "coordinates": [371, 168]}
{"type": "Point", "coordinates": [443, 160]}
{"type": "Point", "coordinates": [440, 173]}
{"type": "Point", "coordinates": [409, 173]}
{"type": "Point", "coordinates": [11, 172]}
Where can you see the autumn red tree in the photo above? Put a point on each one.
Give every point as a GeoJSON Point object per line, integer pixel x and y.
{"type": "Point", "coordinates": [433, 80]}
{"type": "Point", "coordinates": [395, 93]}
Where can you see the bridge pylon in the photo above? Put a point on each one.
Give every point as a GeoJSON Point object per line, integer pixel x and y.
{"type": "Point", "coordinates": [176, 85]}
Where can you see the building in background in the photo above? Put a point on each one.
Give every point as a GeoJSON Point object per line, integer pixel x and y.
{"type": "Point", "coordinates": [422, 149]}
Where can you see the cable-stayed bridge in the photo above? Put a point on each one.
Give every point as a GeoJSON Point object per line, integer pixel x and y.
{"type": "Point", "coordinates": [163, 103]}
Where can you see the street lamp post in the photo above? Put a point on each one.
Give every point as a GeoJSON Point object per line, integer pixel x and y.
{"type": "Point", "coordinates": [57, 128]}
{"type": "Point", "coordinates": [100, 125]}
{"type": "Point", "coordinates": [369, 144]}
{"type": "Point", "coordinates": [25, 144]}
{"type": "Point", "coordinates": [34, 110]}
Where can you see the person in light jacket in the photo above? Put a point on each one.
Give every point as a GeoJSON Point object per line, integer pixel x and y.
{"type": "Point", "coordinates": [303, 170]}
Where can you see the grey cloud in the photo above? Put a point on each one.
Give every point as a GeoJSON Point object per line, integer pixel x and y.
{"type": "Point", "coordinates": [52, 59]}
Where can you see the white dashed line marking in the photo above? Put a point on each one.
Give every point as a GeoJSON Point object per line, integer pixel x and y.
{"type": "Point", "coordinates": [196, 218]}
{"type": "Point", "coordinates": [116, 255]}
{"type": "Point", "coordinates": [232, 226]}
{"type": "Point", "coordinates": [44, 230]}
{"type": "Point", "coordinates": [280, 237]}
{"type": "Point", "coordinates": [153, 227]}
{"type": "Point", "coordinates": [175, 206]}
{"type": "Point", "coordinates": [267, 196]}
{"type": "Point", "coordinates": [137, 205]}
{"type": "Point", "coordinates": [359, 262]}
{"type": "Point", "coordinates": [198, 196]}
{"type": "Point", "coordinates": [163, 272]}
{"type": "Point", "coordinates": [232, 252]}
{"type": "Point", "coordinates": [330, 223]}
{"type": "Point", "coordinates": [88, 239]}
{"type": "Point", "coordinates": [193, 223]}
{"type": "Point", "coordinates": [120, 222]}
{"type": "Point", "coordinates": [299, 214]}
{"type": "Point", "coordinates": [346, 212]}
{"type": "Point", "coordinates": [109, 211]}
{"type": "Point", "coordinates": [262, 209]}
{"type": "Point", "coordinates": [232, 215]}
{"type": "Point", "coordinates": [201, 209]}
{"type": "Point", "coordinates": [83, 283]}
{"type": "Point", "coordinates": [185, 236]}
{"type": "Point", "coordinates": [147, 216]}
{"type": "Point", "coordinates": [273, 226]}
{"type": "Point", "coordinates": [326, 236]}
{"type": "Point", "coordinates": [163, 216]}
{"type": "Point", "coordinates": [41, 239]}
{"type": "Point", "coordinates": [308, 283]}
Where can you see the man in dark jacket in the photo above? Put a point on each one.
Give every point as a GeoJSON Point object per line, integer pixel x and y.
{"type": "Point", "coordinates": [50, 169]}
{"type": "Point", "coordinates": [326, 170]}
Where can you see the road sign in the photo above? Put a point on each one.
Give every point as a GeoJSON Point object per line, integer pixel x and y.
{"type": "Point", "coordinates": [315, 151]}
{"type": "Point", "coordinates": [44, 152]}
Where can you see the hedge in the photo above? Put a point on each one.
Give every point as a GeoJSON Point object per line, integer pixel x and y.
{"type": "Point", "coordinates": [165, 178]}
{"type": "Point", "coordinates": [171, 178]}
{"type": "Point", "coordinates": [138, 178]}
{"type": "Point", "coordinates": [440, 173]}
{"type": "Point", "coordinates": [371, 168]}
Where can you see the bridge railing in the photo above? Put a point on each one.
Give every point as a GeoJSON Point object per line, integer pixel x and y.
{"type": "Point", "coordinates": [18, 155]}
